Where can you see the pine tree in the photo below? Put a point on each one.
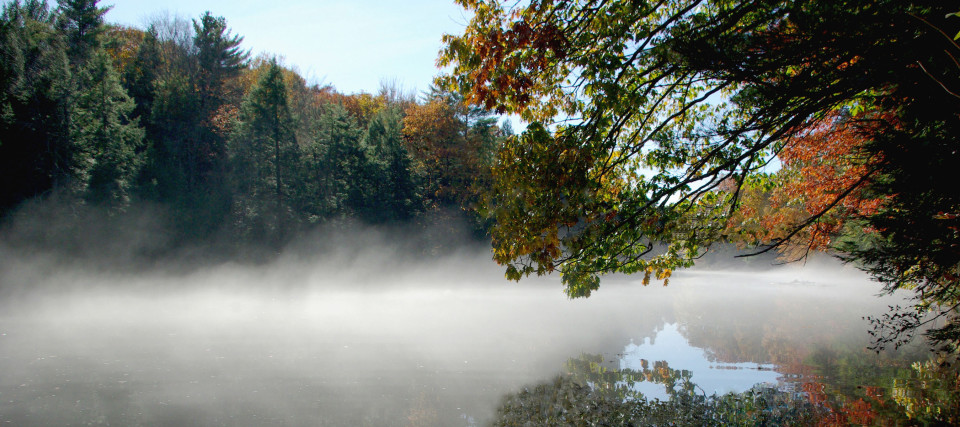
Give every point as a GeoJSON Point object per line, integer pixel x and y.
{"type": "Point", "coordinates": [82, 22]}
{"type": "Point", "coordinates": [108, 138]}
{"type": "Point", "coordinates": [265, 155]}
{"type": "Point", "coordinates": [219, 58]}
{"type": "Point", "coordinates": [336, 163]}
{"type": "Point", "coordinates": [395, 193]}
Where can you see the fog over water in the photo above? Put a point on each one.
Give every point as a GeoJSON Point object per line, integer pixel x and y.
{"type": "Point", "coordinates": [362, 332]}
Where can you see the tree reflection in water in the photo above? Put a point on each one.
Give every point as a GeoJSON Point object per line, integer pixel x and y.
{"type": "Point", "coordinates": [592, 392]}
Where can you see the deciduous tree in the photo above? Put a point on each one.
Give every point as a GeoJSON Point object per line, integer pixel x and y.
{"type": "Point", "coordinates": [650, 109]}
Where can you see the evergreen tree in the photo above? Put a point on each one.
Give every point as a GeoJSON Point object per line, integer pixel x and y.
{"type": "Point", "coordinates": [139, 78]}
{"type": "Point", "coordinates": [190, 116]}
{"type": "Point", "coordinates": [345, 155]}
{"type": "Point", "coordinates": [219, 58]}
{"type": "Point", "coordinates": [265, 157]}
{"type": "Point", "coordinates": [36, 152]}
{"type": "Point", "coordinates": [82, 22]}
{"type": "Point", "coordinates": [171, 170]}
{"type": "Point", "coordinates": [395, 193]}
{"type": "Point", "coordinates": [164, 87]}
{"type": "Point", "coordinates": [108, 138]}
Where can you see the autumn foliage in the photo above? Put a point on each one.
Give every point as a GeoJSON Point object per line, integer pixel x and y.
{"type": "Point", "coordinates": [822, 186]}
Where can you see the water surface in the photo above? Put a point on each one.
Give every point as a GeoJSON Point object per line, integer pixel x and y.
{"type": "Point", "coordinates": [376, 340]}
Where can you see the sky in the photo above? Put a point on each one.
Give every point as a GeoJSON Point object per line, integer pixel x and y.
{"type": "Point", "coordinates": [353, 45]}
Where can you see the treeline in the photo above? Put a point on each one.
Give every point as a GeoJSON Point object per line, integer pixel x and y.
{"type": "Point", "coordinates": [178, 115]}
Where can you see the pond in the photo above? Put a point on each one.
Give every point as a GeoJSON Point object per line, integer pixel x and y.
{"type": "Point", "coordinates": [376, 340]}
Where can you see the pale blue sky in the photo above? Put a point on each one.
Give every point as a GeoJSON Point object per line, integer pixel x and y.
{"type": "Point", "coordinates": [353, 45]}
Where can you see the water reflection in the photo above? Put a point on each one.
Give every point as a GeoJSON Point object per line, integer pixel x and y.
{"type": "Point", "coordinates": [710, 376]}
{"type": "Point", "coordinates": [319, 343]}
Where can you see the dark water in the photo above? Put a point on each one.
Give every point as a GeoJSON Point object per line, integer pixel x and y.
{"type": "Point", "coordinates": [381, 342]}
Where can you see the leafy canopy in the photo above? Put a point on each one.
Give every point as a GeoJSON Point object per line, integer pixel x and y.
{"type": "Point", "coordinates": [651, 120]}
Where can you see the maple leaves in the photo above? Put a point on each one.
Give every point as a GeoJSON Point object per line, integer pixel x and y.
{"type": "Point", "coordinates": [822, 186]}
{"type": "Point", "coordinates": [501, 62]}
{"type": "Point", "coordinates": [496, 48]}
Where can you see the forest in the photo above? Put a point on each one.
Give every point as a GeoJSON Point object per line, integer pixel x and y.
{"type": "Point", "coordinates": [178, 116]}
